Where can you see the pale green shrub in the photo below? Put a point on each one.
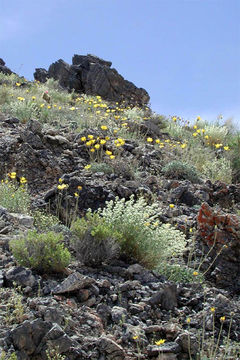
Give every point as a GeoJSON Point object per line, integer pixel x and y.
{"type": "Point", "coordinates": [94, 240]}
{"type": "Point", "coordinates": [218, 169]}
{"type": "Point", "coordinates": [13, 197]}
{"type": "Point", "coordinates": [44, 221]}
{"type": "Point", "coordinates": [141, 235]}
{"type": "Point", "coordinates": [216, 133]}
{"type": "Point", "coordinates": [181, 170]}
{"type": "Point", "coordinates": [43, 252]}
{"type": "Point", "coordinates": [23, 110]}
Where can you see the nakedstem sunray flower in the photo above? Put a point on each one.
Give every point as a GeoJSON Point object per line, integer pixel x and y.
{"type": "Point", "coordinates": [104, 127]}
{"type": "Point", "coordinates": [23, 180]}
{"type": "Point", "coordinates": [12, 175]}
{"type": "Point", "coordinates": [160, 342]}
{"type": "Point", "coordinates": [62, 186]}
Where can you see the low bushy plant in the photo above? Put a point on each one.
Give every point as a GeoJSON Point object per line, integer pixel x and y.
{"type": "Point", "coordinates": [218, 169]}
{"type": "Point", "coordinates": [94, 240]}
{"type": "Point", "coordinates": [44, 221]}
{"type": "Point", "coordinates": [141, 235]}
{"type": "Point", "coordinates": [21, 109]}
{"type": "Point", "coordinates": [43, 252]}
{"type": "Point", "coordinates": [182, 171]}
{"type": "Point", "coordinates": [178, 273]}
{"type": "Point", "coordinates": [14, 197]}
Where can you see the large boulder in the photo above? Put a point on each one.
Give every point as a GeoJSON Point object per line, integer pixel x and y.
{"type": "Point", "coordinates": [93, 76]}
{"type": "Point", "coordinates": [218, 236]}
{"type": "Point", "coordinates": [3, 68]}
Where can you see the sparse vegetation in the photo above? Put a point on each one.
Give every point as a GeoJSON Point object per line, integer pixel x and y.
{"type": "Point", "coordinates": [43, 252]}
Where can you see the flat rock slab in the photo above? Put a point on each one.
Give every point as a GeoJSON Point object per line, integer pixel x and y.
{"type": "Point", "coordinates": [73, 282]}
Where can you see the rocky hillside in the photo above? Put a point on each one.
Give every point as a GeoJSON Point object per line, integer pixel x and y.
{"type": "Point", "coordinates": [119, 227]}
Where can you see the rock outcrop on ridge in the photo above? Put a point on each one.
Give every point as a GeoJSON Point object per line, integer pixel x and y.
{"type": "Point", "coordinates": [4, 69]}
{"type": "Point", "coordinates": [93, 76]}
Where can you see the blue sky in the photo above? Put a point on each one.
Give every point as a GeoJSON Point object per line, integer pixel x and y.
{"type": "Point", "coordinates": [185, 53]}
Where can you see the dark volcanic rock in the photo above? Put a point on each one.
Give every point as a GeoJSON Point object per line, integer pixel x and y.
{"type": "Point", "coordinates": [93, 76]}
{"type": "Point", "coordinates": [4, 69]}
{"type": "Point", "coordinates": [41, 75]}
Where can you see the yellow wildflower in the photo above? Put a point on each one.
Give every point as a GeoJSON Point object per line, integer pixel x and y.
{"type": "Point", "coordinates": [90, 137]}
{"type": "Point", "coordinates": [188, 320]}
{"type": "Point", "coordinates": [97, 146]}
{"type": "Point", "coordinates": [12, 175]}
{"type": "Point", "coordinates": [195, 134]}
{"type": "Point", "coordinates": [171, 206]}
{"type": "Point", "coordinates": [79, 187]}
{"type": "Point", "coordinates": [212, 309]}
{"type": "Point", "coordinates": [195, 273]}
{"type": "Point", "coordinates": [23, 180]}
{"type": "Point", "coordinates": [112, 157]}
{"type": "Point", "coordinates": [62, 186]}
{"type": "Point", "coordinates": [226, 148]}
{"type": "Point", "coordinates": [135, 337]}
{"type": "Point", "coordinates": [108, 152]}
{"type": "Point", "coordinates": [87, 167]}
{"type": "Point", "coordinates": [160, 342]}
{"type": "Point", "coordinates": [104, 127]}
{"type": "Point", "coordinates": [149, 139]}
{"type": "Point", "coordinates": [76, 194]}
{"type": "Point", "coordinates": [83, 138]}
{"type": "Point", "coordinates": [102, 142]}
{"type": "Point", "coordinates": [222, 318]}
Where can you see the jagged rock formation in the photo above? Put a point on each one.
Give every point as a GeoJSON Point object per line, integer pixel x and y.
{"type": "Point", "coordinates": [4, 69]}
{"type": "Point", "coordinates": [93, 76]}
{"type": "Point", "coordinates": [219, 232]}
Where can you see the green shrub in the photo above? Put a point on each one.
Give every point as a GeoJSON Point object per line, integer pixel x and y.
{"type": "Point", "coordinates": [102, 167]}
{"type": "Point", "coordinates": [13, 197]}
{"type": "Point", "coordinates": [141, 235]}
{"type": "Point", "coordinates": [24, 110]}
{"type": "Point", "coordinates": [94, 240]}
{"type": "Point", "coordinates": [182, 171]}
{"type": "Point", "coordinates": [216, 133]}
{"type": "Point", "coordinates": [178, 273]}
{"type": "Point", "coordinates": [44, 221]}
{"type": "Point", "coordinates": [219, 169]}
{"type": "Point", "coordinates": [41, 252]}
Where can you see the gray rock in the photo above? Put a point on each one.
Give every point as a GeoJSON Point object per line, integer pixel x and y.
{"type": "Point", "coordinates": [73, 282]}
{"type": "Point", "coordinates": [111, 349]}
{"type": "Point", "coordinates": [119, 314]}
{"type": "Point", "coordinates": [168, 347]}
{"type": "Point", "coordinates": [21, 276]}
{"type": "Point", "coordinates": [22, 220]}
{"type": "Point", "coordinates": [166, 297]}
{"type": "Point", "coordinates": [27, 336]}
{"type": "Point", "coordinates": [130, 285]}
